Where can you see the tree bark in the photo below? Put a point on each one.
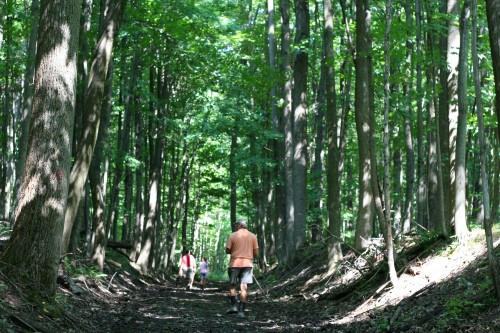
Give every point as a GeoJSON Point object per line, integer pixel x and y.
{"type": "Point", "coordinates": [232, 176]}
{"type": "Point", "coordinates": [460, 161]}
{"type": "Point", "coordinates": [333, 149]}
{"type": "Point", "coordinates": [492, 11]}
{"type": "Point", "coordinates": [275, 187]}
{"type": "Point", "coordinates": [139, 195]}
{"type": "Point", "coordinates": [317, 168]}
{"type": "Point", "coordinates": [300, 106]}
{"type": "Point", "coordinates": [364, 225]}
{"type": "Point", "coordinates": [83, 72]}
{"type": "Point", "coordinates": [7, 166]}
{"type": "Point", "coordinates": [97, 244]}
{"type": "Point", "coordinates": [449, 47]}
{"type": "Point", "coordinates": [130, 110]}
{"type": "Point", "coordinates": [495, 24]}
{"type": "Point", "coordinates": [25, 116]}
{"type": "Point", "coordinates": [422, 216]}
{"type": "Point", "coordinates": [436, 195]}
{"type": "Point", "coordinates": [408, 135]}
{"type": "Point", "coordinates": [288, 123]}
{"type": "Point", "coordinates": [146, 255]}
{"type": "Point", "coordinates": [98, 71]}
{"type": "Point", "coordinates": [387, 152]}
{"type": "Point", "coordinates": [34, 249]}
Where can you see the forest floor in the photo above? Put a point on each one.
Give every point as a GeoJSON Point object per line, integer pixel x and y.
{"type": "Point", "coordinates": [441, 289]}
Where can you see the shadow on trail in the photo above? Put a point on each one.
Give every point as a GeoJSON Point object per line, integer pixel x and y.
{"type": "Point", "coordinates": [170, 308]}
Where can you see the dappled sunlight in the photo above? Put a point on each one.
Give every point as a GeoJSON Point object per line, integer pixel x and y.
{"type": "Point", "coordinates": [421, 275]}
{"type": "Point", "coordinates": [158, 316]}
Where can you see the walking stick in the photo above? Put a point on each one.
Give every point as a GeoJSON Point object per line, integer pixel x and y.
{"type": "Point", "coordinates": [260, 287]}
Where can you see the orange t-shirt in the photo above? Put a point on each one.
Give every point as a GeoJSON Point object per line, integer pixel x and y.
{"type": "Point", "coordinates": [242, 244]}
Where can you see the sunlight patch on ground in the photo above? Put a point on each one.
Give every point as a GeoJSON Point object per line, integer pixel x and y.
{"type": "Point", "coordinates": [274, 327]}
{"type": "Point", "coordinates": [158, 316]}
{"type": "Point", "coordinates": [421, 274]}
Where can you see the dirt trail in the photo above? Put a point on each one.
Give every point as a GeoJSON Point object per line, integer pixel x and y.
{"type": "Point", "coordinates": [173, 309]}
{"type": "Point", "coordinates": [442, 292]}
{"type": "Point", "coordinates": [443, 296]}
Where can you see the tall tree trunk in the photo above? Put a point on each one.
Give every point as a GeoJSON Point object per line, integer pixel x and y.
{"type": "Point", "coordinates": [449, 47]}
{"type": "Point", "coordinates": [83, 72]}
{"type": "Point", "coordinates": [147, 250]}
{"type": "Point", "coordinates": [92, 112]}
{"type": "Point", "coordinates": [482, 141]}
{"type": "Point", "coordinates": [460, 161]}
{"type": "Point", "coordinates": [139, 197]}
{"type": "Point", "coordinates": [112, 211]}
{"type": "Point", "coordinates": [24, 119]}
{"type": "Point", "coordinates": [172, 223]}
{"type": "Point", "coordinates": [444, 131]}
{"type": "Point", "coordinates": [492, 10]}
{"type": "Point", "coordinates": [343, 122]}
{"type": "Point", "coordinates": [98, 241]}
{"type": "Point", "coordinates": [397, 160]}
{"type": "Point", "coordinates": [317, 163]}
{"type": "Point", "coordinates": [122, 139]}
{"type": "Point", "coordinates": [333, 159]}
{"type": "Point", "coordinates": [300, 106]}
{"type": "Point", "coordinates": [275, 189]}
{"type": "Point", "coordinates": [35, 246]}
{"type": "Point", "coordinates": [364, 225]}
{"type": "Point", "coordinates": [435, 178]}
{"type": "Point", "coordinates": [287, 128]}
{"type": "Point", "coordinates": [7, 139]}
{"type": "Point", "coordinates": [257, 192]}
{"type": "Point", "coordinates": [387, 153]}
{"type": "Point", "coordinates": [408, 135]}
{"type": "Point", "coordinates": [163, 86]}
{"type": "Point", "coordinates": [129, 111]}
{"type": "Point", "coordinates": [232, 176]}
{"type": "Point", "coordinates": [422, 217]}
{"type": "Point", "coordinates": [409, 171]}
{"type": "Point", "coordinates": [83, 76]}
{"type": "Point", "coordinates": [317, 168]}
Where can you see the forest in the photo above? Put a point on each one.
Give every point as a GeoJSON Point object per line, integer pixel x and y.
{"type": "Point", "coordinates": [353, 136]}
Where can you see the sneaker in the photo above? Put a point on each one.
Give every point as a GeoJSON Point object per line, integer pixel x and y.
{"type": "Point", "coordinates": [241, 314]}
{"type": "Point", "coordinates": [233, 309]}
{"type": "Point", "coordinates": [188, 287]}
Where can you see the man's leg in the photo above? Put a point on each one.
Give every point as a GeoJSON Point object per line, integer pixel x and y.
{"type": "Point", "coordinates": [246, 278]}
{"type": "Point", "coordinates": [243, 292]}
{"type": "Point", "coordinates": [191, 279]}
{"type": "Point", "coordinates": [243, 299]}
{"type": "Point", "coordinates": [234, 299]}
{"type": "Point", "coordinates": [233, 277]}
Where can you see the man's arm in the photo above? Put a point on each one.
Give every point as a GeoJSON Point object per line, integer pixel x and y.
{"type": "Point", "coordinates": [229, 245]}
{"type": "Point", "coordinates": [255, 247]}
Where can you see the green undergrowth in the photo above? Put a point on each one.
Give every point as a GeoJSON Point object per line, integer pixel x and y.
{"type": "Point", "coordinates": [82, 268]}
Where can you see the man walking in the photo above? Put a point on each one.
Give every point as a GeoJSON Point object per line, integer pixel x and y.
{"type": "Point", "coordinates": [242, 246]}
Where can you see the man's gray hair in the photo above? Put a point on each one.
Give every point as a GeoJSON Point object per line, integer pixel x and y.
{"type": "Point", "coordinates": [242, 223]}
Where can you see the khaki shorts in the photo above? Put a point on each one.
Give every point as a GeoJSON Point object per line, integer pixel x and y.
{"type": "Point", "coordinates": [243, 275]}
{"type": "Point", "coordinates": [188, 273]}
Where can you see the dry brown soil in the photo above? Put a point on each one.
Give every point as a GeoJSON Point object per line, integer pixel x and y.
{"type": "Point", "coordinates": [443, 290]}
